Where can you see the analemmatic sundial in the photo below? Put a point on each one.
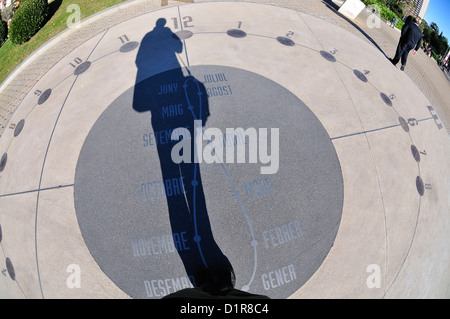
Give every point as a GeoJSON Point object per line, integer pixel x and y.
{"type": "Point", "coordinates": [340, 161]}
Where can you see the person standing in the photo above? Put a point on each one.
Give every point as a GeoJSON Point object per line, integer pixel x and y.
{"type": "Point", "coordinates": [410, 39]}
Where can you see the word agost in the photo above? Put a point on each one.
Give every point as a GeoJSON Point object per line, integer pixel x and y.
{"type": "Point", "coordinates": [213, 152]}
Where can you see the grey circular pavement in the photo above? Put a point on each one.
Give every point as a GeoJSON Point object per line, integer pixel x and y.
{"type": "Point", "coordinates": [131, 199]}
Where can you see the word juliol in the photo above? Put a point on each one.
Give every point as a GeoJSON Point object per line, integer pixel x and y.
{"type": "Point", "coordinates": [214, 150]}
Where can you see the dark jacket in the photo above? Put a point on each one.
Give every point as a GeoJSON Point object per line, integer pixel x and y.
{"type": "Point", "coordinates": [411, 35]}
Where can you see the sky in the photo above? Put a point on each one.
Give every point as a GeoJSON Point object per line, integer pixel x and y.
{"type": "Point", "coordinates": [439, 12]}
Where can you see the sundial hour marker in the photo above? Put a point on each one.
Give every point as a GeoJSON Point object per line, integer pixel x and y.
{"type": "Point", "coordinates": [184, 34]}
{"type": "Point", "coordinates": [43, 97]}
{"type": "Point", "coordinates": [129, 46]}
{"type": "Point", "coordinates": [3, 161]}
{"type": "Point", "coordinates": [360, 75]}
{"type": "Point", "coordinates": [286, 41]}
{"type": "Point", "coordinates": [415, 152]}
{"type": "Point", "coordinates": [80, 66]}
{"type": "Point", "coordinates": [19, 127]}
{"type": "Point", "coordinates": [10, 268]}
{"type": "Point", "coordinates": [420, 186]}
{"type": "Point", "coordinates": [83, 67]}
{"type": "Point", "coordinates": [328, 56]}
{"type": "Point", "coordinates": [386, 99]}
{"type": "Point", "coordinates": [403, 124]}
{"type": "Point", "coordinates": [237, 33]}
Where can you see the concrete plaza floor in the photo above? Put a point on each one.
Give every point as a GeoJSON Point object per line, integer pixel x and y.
{"type": "Point", "coordinates": [359, 206]}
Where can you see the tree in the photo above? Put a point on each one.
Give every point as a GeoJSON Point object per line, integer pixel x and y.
{"type": "Point", "coordinates": [437, 40]}
{"type": "Point", "coordinates": [395, 6]}
{"type": "Point", "coordinates": [443, 43]}
{"type": "Point", "coordinates": [427, 34]}
{"type": "Point", "coordinates": [434, 27]}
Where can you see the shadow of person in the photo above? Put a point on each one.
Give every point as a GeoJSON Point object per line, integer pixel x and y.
{"type": "Point", "coordinates": [175, 101]}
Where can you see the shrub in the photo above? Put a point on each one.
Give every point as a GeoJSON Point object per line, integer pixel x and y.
{"type": "Point", "coordinates": [400, 24]}
{"type": "Point", "coordinates": [385, 12]}
{"type": "Point", "coordinates": [3, 32]}
{"type": "Point", "coordinates": [435, 56]}
{"type": "Point", "coordinates": [28, 19]}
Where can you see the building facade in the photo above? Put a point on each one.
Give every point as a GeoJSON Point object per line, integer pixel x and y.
{"type": "Point", "coordinates": [421, 7]}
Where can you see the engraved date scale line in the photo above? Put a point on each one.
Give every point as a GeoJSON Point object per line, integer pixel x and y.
{"type": "Point", "coordinates": [236, 194]}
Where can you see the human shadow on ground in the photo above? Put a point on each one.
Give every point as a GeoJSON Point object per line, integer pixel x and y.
{"type": "Point", "coordinates": [176, 100]}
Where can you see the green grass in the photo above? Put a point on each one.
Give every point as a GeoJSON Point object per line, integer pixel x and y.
{"type": "Point", "coordinates": [12, 55]}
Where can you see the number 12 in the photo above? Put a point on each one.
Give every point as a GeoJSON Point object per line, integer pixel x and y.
{"type": "Point", "coordinates": [186, 21]}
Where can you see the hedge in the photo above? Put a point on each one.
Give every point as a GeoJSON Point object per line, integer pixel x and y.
{"type": "Point", "coordinates": [385, 12]}
{"type": "Point", "coordinates": [3, 31]}
{"type": "Point", "coordinates": [27, 20]}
